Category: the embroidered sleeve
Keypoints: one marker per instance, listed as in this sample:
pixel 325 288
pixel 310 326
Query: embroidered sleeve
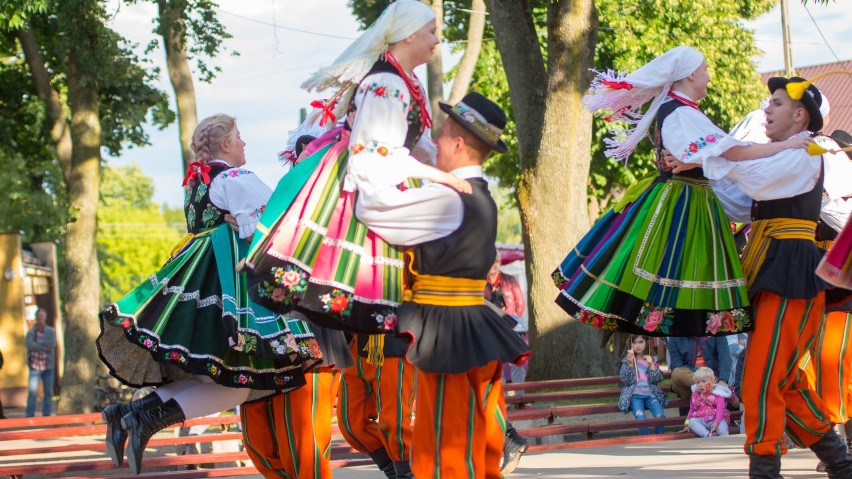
pixel 243 194
pixel 692 138
pixel 379 128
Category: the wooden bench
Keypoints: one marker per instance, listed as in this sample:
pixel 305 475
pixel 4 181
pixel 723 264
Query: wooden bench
pixel 73 446
pixel 571 413
pixel 554 403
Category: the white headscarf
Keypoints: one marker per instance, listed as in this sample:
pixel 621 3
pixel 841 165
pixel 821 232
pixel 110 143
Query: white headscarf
pixel 397 22
pixel 623 95
pixel 824 107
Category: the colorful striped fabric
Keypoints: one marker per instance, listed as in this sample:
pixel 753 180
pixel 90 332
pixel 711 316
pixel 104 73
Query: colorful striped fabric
pixel 776 397
pixel 763 232
pixel 289 435
pixel 313 254
pixel 194 314
pixel 665 265
pixel 459 432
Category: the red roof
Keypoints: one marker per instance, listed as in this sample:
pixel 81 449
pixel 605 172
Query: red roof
pixel 837 88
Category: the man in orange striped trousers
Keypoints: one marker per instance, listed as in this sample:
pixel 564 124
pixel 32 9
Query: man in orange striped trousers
pixel 787 298
pixel 375 403
pixel 289 435
pixel 458 343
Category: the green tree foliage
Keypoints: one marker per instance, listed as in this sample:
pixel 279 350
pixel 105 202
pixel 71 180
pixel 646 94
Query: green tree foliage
pixel 135 237
pixel 198 26
pixel 33 199
pixel 95 95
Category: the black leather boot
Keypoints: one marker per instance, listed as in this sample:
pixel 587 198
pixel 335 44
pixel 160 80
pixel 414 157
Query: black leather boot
pixel 141 425
pixel 764 467
pixel 116 436
pixel 383 461
pixel 832 451
pixel 403 470
pixel 514 445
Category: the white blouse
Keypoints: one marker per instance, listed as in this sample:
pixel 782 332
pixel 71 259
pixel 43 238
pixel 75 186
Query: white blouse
pixel 377 154
pixel 692 138
pixel 243 194
pixel 418 215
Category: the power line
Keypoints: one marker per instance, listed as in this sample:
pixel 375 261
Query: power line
pixel 821 35
pixel 275 25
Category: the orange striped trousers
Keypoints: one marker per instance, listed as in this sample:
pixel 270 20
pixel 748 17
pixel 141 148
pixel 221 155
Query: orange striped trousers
pixel 773 387
pixel 375 405
pixel 829 368
pixel 289 435
pixel 458 432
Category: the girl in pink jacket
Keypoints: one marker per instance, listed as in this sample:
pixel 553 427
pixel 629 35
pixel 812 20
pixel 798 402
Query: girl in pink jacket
pixel 708 415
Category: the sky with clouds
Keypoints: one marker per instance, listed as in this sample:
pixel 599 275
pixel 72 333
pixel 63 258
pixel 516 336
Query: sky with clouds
pixel 282 41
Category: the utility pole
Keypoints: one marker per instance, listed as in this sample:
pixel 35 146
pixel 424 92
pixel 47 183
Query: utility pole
pixel 785 34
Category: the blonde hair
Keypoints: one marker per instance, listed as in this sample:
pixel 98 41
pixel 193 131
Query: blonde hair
pixel 703 373
pixel 209 135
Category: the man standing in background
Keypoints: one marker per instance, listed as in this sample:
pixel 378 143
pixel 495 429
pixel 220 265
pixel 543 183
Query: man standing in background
pixel 41 362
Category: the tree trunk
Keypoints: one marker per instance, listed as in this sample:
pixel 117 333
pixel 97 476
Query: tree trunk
pixel 60 135
pixel 554 133
pixel 173 29
pixel 82 290
pixel 435 69
pixel 464 73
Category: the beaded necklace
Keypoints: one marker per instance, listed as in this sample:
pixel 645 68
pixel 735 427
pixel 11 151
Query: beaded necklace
pixel 684 100
pixel 413 89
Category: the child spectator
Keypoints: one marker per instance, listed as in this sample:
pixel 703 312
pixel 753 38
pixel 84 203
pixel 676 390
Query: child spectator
pixel 708 414
pixel 640 374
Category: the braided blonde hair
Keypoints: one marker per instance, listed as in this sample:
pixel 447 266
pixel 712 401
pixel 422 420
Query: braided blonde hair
pixel 209 135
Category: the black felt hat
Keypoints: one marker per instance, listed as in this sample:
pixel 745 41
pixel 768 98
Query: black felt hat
pixel 842 138
pixel 480 116
pixel 811 98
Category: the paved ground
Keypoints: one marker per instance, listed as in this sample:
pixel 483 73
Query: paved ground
pixel 720 457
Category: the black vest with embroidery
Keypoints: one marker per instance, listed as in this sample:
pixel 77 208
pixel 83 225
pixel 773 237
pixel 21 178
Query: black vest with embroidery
pixel 415 126
pixel 201 214
pixel 665 110
pixel 469 251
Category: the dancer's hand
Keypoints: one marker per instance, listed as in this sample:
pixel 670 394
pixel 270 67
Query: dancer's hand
pixel 676 166
pixel 458 184
pixel 232 221
pixel 798 142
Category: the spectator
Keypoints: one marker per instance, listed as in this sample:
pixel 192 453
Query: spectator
pixel 640 374
pixel 41 361
pixel 687 354
pixel 736 345
pixel 708 415
pixel 504 291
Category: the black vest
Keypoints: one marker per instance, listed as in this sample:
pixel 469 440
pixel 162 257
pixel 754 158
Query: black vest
pixel 665 110
pixel 201 214
pixel 469 251
pixel 415 126
pixel 805 206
